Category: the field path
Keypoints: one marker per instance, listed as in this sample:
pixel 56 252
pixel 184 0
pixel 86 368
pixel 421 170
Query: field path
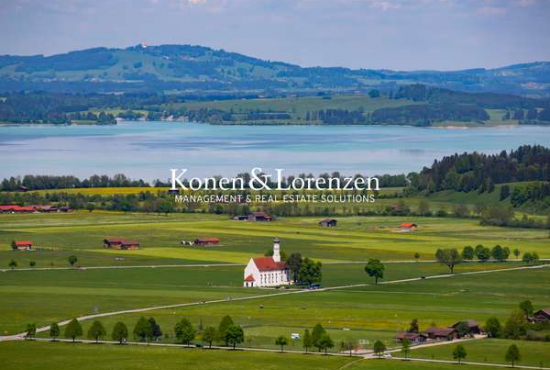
pixel 21 336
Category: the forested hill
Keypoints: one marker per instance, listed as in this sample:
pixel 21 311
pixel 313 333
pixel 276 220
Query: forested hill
pixel 196 68
pixel 476 171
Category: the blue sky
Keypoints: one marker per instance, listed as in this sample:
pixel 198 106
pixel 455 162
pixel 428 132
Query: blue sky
pixel 393 34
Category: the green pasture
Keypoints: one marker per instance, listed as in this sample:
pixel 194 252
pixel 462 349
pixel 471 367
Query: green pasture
pixel 355 238
pixel 493 351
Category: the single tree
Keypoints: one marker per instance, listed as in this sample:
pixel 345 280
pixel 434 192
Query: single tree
pixel 449 257
pixel 310 272
pixel 375 269
pixel 294 262
pixel 73 330
pixel 516 325
pixel 348 345
pixel 143 330
pixel 13 245
pixel 316 334
pixel 235 335
pixel 72 260
pixel 459 353
pixel 325 343
pixel 406 347
pixel 226 322
pixel 32 263
pixel 31 331
pixel 513 355
pixel 185 332
pixel 54 331
pixel 468 253
pixel 96 331
pixel 120 332
pixel 12 264
pixel 414 328
pixel 156 332
pixel 493 327
pixel 516 253
pixel 483 254
pixel 307 341
pixel 281 341
pixel 527 308
pixel 417 256
pixel 209 335
pixel 379 348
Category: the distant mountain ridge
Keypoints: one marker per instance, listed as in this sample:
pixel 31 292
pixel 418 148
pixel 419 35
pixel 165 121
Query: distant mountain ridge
pixel 188 68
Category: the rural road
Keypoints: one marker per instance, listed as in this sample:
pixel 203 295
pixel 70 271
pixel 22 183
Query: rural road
pixel 21 336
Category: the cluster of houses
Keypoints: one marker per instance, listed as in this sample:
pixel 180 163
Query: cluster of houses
pixel 14 208
pixel 440 334
pixel 120 244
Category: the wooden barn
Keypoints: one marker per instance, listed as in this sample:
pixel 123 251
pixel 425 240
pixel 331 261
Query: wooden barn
pixel 328 222
pixel 259 216
pixel 121 244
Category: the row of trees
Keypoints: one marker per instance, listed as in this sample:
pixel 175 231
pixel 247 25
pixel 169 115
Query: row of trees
pixel 512 354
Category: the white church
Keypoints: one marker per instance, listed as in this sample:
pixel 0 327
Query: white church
pixel 267 271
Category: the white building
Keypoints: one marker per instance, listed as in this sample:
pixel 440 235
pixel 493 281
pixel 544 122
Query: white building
pixel 267 271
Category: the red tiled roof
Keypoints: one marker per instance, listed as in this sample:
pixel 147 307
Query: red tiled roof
pixel 268 264
pixel 407 224
pixel 23 243
pixel 7 207
pixel 209 240
pixel 250 278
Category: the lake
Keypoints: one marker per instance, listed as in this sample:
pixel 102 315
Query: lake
pixel 149 150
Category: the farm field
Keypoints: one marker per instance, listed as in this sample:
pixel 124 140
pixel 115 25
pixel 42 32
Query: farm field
pixel 366 313
pixel 67 293
pixel 355 238
pixel 493 351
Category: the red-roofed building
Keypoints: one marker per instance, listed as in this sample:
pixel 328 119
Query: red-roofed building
pixel 25 245
pixel 207 241
pixel 408 226
pixel 267 271
pixel 122 244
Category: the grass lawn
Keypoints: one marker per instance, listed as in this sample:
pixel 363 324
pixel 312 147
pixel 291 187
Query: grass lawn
pixel 493 351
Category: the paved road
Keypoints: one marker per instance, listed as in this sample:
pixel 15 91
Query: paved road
pixel 247 298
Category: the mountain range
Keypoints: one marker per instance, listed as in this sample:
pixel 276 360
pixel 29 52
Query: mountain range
pixel 188 68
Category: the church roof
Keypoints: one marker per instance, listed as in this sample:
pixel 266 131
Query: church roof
pixel 250 278
pixel 268 264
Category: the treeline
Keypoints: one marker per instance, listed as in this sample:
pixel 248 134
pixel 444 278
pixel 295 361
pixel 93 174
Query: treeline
pixel 426 114
pixel 47 182
pixel 475 171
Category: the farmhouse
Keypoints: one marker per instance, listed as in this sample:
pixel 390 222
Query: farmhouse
pixel 407 226
pixel 473 326
pixel 267 271
pixel 328 222
pixel 122 244
pixel 542 316
pixel 441 333
pixel 259 216
pixel 23 245
pixel 412 337
pixel 207 241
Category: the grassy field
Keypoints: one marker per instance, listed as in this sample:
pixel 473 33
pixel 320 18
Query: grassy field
pixel 493 351
pixel 35 355
pixel 355 238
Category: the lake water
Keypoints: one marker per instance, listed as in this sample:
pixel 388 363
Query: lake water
pixel 149 150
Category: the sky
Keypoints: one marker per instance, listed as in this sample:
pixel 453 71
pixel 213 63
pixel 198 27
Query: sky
pixel 379 34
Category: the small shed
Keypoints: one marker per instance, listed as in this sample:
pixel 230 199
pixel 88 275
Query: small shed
pixel 328 222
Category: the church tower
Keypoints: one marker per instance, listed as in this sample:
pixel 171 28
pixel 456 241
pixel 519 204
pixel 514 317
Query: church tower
pixel 276 250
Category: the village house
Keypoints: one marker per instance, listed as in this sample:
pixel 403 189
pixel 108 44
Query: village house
pixel 542 316
pixel 414 338
pixel 407 227
pixel 14 208
pixel 23 245
pixel 267 271
pixel 473 326
pixel 328 222
pixel 259 216
pixel 121 244
pixel 207 241
pixel 441 333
